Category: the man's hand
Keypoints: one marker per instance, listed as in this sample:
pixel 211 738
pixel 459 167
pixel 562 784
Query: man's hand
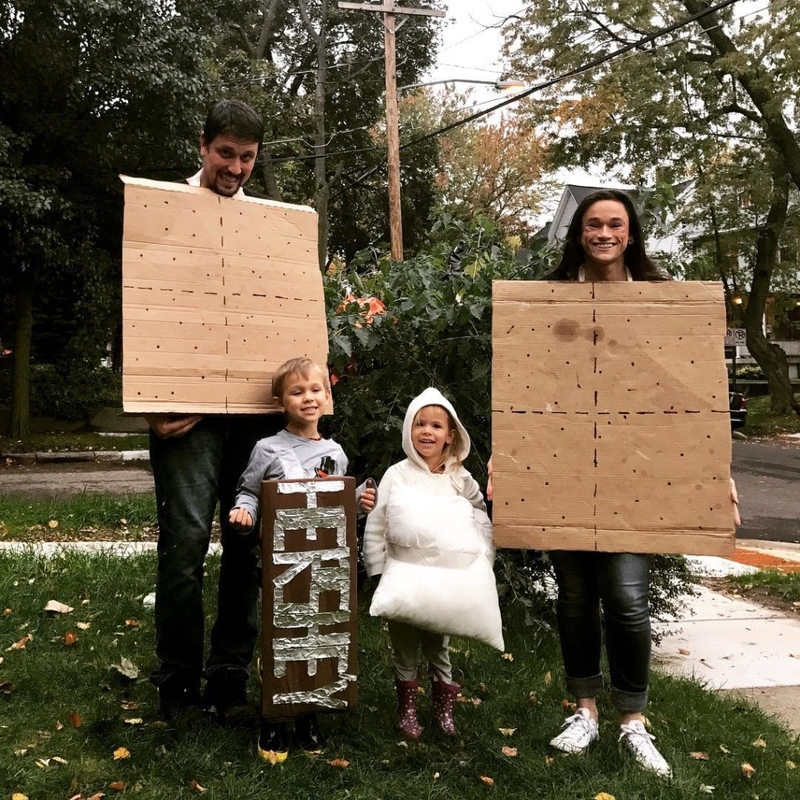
pixel 368 496
pixel 737 519
pixel 240 519
pixel 171 426
pixel 489 490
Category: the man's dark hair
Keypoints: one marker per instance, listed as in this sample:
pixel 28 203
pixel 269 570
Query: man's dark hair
pixel 233 118
pixel 636 259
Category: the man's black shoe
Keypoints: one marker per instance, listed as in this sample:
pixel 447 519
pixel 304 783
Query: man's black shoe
pixel 226 698
pixel 176 694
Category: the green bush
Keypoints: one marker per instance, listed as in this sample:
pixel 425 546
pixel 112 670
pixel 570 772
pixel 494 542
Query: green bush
pixel 435 330
pixel 73 392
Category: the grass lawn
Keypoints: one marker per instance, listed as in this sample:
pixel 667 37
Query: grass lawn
pixel 78 441
pixel 65 710
pixel 80 517
pixel 762 422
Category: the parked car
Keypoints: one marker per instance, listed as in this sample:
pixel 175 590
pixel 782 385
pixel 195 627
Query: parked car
pixel 738 406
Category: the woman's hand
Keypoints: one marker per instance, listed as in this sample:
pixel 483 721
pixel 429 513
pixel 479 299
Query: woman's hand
pixel 737 520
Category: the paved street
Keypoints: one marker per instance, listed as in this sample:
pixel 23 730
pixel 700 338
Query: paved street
pixel 768 479
pixel 767 475
pixel 47 480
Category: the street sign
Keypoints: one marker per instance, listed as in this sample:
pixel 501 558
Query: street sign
pixel 734 336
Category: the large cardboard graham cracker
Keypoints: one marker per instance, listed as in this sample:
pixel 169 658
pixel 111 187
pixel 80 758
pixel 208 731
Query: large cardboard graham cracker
pixel 610 420
pixel 217 292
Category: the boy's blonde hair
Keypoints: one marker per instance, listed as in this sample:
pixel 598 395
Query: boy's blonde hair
pixel 296 366
pixel 455 447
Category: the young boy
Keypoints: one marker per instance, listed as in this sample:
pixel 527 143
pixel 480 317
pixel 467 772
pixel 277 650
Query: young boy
pixel 301 390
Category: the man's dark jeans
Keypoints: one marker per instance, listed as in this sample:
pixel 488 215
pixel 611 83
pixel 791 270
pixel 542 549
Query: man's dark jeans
pixel 192 473
pixel 621 582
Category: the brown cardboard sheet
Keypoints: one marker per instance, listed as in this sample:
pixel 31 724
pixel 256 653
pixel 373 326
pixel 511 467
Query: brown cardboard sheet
pixel 610 420
pixel 216 293
pixel 309 602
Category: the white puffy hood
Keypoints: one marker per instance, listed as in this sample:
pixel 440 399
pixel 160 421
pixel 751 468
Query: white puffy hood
pixel 433 397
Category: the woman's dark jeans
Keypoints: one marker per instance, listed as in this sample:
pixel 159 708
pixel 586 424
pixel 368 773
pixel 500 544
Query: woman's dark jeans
pixel 192 473
pixel 620 582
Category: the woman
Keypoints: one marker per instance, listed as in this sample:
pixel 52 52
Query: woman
pixel 605 243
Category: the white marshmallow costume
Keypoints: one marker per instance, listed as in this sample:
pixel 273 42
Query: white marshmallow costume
pixel 431 541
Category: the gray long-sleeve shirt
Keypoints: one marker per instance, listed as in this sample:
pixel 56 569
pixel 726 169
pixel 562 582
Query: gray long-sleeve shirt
pixel 286 456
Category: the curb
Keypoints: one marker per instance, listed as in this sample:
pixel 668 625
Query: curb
pixel 75 457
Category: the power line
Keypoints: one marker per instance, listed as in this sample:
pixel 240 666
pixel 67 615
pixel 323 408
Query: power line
pixel 528 92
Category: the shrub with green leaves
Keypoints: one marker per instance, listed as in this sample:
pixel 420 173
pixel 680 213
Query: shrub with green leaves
pixel 432 327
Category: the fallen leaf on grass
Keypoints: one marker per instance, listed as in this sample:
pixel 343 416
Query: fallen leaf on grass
pixel 84 626
pixel 129 705
pixel 53 523
pixel 19 796
pixel 6 687
pixel 707 789
pixel 604 796
pixel 7 611
pixel 121 752
pixel 133 721
pixel 549 761
pixel 507 731
pixel 117 786
pixel 533 699
pixel 759 742
pixel 196 787
pixel 436 776
pixel 724 749
pixel 548 678
pixel 339 762
pixel 508 656
pixel 20 645
pixel 487 780
pixel 70 637
pixel 748 770
pixel 568 704
pixel 791 765
pixel 132 623
pixel 75 719
pixel 59 726
pixel 59 760
pixel 684 652
pixel 127 668
pixel 54 607
pixel 699 756
pixel 511 752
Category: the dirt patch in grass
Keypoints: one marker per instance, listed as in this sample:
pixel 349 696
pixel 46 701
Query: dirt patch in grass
pixel 761 595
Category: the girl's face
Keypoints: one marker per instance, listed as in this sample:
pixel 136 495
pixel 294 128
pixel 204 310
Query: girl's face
pixel 604 233
pixel 430 434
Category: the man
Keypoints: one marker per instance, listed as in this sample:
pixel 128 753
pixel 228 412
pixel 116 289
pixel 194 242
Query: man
pixel 197 461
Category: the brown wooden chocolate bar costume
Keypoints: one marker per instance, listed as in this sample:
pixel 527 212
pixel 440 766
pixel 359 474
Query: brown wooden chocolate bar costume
pixel 309 607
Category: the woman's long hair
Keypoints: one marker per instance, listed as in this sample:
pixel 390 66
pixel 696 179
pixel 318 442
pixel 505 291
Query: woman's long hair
pixel 636 259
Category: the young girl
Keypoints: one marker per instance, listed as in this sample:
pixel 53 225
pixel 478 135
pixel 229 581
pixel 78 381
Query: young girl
pixel 428 531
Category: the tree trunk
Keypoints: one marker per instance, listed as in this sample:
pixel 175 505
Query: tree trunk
pixel 20 423
pixel 769 356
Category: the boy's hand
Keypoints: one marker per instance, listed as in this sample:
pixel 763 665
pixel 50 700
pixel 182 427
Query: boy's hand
pixel 489 487
pixel 368 496
pixel 240 519
pixel 737 519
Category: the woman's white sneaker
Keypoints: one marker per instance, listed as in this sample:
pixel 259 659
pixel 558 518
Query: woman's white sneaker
pixel 579 731
pixel 640 744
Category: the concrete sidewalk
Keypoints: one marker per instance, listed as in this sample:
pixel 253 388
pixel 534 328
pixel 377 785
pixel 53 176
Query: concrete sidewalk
pixel 734 646
pixel 77 457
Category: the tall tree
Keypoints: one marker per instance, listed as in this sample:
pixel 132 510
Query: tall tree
pixel 675 103
pixel 89 90
pixel 318 79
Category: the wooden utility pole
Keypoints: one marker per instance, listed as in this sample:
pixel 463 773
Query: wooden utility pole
pixel 390 9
